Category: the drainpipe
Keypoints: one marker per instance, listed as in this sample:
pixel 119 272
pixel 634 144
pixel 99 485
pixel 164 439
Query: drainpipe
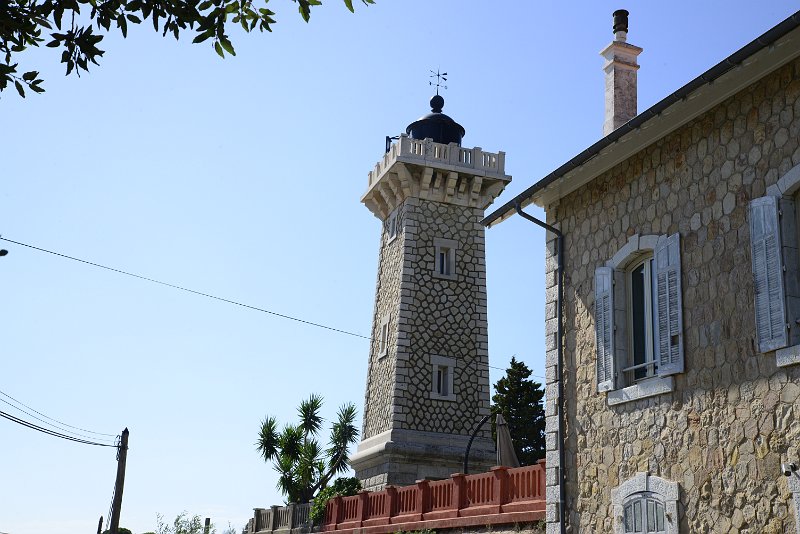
pixel 560 359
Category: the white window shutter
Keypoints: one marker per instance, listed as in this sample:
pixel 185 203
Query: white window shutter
pixel 668 305
pixel 604 326
pixel 770 303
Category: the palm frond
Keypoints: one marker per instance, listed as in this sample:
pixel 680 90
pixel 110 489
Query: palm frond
pixel 310 419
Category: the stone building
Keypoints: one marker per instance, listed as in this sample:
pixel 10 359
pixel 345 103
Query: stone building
pixel 428 377
pixel 673 345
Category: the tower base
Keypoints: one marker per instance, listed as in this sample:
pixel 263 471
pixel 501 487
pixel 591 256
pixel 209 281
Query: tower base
pixel 401 457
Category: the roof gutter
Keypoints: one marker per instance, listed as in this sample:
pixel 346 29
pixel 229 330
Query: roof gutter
pixel 765 40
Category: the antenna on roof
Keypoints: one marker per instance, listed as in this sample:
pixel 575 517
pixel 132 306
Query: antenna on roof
pixel 440 78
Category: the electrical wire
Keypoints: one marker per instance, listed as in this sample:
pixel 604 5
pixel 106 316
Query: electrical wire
pixel 53 433
pixel 70 432
pixel 50 418
pixel 200 293
pixel 188 290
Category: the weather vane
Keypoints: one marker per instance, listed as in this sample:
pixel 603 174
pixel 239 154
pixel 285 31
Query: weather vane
pixel 440 78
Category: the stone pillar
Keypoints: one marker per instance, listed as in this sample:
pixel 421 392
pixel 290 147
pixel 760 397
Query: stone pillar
pixel 553 509
pixel 620 68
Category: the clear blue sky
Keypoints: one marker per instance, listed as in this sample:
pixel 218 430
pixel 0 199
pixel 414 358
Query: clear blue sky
pixel 242 177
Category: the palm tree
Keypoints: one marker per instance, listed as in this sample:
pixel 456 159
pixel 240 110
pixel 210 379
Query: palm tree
pixel 303 465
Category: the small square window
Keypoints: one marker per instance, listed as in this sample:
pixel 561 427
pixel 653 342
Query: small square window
pixel 445 258
pixel 442 371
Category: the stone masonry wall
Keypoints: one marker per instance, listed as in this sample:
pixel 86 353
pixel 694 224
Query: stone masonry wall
pixel 443 317
pixel 733 416
pixel 379 392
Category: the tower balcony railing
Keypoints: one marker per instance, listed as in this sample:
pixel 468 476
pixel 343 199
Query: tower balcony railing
pixel 427 152
pixel 501 496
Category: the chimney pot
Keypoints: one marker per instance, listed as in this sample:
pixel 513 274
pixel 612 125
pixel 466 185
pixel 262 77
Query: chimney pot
pixel 621 20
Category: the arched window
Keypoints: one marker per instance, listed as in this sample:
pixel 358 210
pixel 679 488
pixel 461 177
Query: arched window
pixel 639 319
pixel 645 504
pixel 643 513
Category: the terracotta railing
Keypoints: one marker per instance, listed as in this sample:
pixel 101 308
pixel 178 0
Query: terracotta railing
pixel 502 495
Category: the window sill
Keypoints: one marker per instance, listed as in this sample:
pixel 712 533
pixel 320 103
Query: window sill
pixel 444 276
pixel 450 398
pixel 641 390
pixel 788 356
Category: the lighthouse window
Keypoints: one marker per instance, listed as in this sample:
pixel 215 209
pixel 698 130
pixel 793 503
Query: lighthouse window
pixel 383 339
pixel 442 371
pixel 444 261
pixel 391 227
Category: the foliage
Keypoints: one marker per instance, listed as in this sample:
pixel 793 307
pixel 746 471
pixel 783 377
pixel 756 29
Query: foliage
pixel 342 486
pixel 183 524
pixel 76 27
pixel 120 530
pixel 302 463
pixel 519 399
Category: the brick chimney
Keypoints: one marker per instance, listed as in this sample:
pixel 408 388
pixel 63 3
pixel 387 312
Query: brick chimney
pixel 620 67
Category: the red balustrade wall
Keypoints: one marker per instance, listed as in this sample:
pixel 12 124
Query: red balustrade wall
pixel 500 496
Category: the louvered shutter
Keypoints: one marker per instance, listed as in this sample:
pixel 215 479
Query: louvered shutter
pixel 604 326
pixel 770 303
pixel 668 305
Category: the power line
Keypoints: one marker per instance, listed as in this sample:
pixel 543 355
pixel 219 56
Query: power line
pixel 71 432
pixel 50 418
pixel 188 290
pixel 53 433
pixel 200 293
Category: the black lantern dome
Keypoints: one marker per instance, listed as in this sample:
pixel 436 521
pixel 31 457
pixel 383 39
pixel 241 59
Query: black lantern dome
pixel 436 125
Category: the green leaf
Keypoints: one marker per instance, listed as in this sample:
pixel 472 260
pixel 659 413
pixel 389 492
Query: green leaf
pixel 134 19
pixel 349 4
pixel 226 44
pixel 28 76
pixel 20 90
pixel 218 48
pixel 122 22
pixel 203 36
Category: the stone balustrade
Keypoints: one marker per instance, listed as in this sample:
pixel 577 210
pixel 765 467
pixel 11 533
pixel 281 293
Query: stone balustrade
pixel 294 518
pixel 426 152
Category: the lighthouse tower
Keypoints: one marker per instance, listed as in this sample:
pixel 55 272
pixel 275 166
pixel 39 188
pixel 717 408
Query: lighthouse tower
pixel 428 378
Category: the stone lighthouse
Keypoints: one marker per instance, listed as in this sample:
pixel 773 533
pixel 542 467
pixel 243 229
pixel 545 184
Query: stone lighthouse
pixel 428 377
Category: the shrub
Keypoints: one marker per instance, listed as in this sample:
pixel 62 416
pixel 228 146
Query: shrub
pixel 343 486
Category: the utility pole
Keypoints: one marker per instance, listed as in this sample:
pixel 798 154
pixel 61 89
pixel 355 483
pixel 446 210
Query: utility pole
pixel 122 454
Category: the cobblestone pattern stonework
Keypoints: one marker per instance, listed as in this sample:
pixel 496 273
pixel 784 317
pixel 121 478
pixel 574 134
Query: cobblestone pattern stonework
pixel 445 318
pixel 429 316
pixel 733 416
